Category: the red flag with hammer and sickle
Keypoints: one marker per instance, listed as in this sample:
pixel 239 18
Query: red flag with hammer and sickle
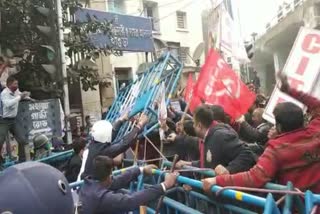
pixel 218 84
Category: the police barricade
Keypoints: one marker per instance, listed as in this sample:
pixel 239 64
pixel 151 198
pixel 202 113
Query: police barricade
pixel 143 93
pixel 292 199
pixel 291 195
pixel 54 159
pixel 179 200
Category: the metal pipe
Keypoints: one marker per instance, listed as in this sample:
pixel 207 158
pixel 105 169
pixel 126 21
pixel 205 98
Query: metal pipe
pixel 227 206
pixel 179 206
pixel 211 173
pixel 175 160
pixel 114 173
pixel 206 172
pixel 64 70
pixel 236 195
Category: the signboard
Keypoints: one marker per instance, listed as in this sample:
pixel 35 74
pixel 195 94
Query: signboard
pixel 176 106
pixel 302 69
pixel 39 117
pixel 129 33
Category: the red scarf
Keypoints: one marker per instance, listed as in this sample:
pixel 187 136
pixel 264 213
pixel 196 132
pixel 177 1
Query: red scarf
pixel 201 144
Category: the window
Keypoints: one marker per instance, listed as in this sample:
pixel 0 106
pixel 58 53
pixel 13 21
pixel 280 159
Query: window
pixel 317 9
pixel 116 6
pixel 181 20
pixel 184 55
pixel 174 48
pixel 151 10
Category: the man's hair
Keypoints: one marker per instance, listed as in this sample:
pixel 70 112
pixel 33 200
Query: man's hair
pixel 218 113
pixel 78 145
pixel 188 128
pixel 10 80
pixel 102 168
pixel 1 59
pixel 203 114
pixel 260 100
pixel 259 111
pixel 289 116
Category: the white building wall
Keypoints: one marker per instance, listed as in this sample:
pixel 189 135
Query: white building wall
pixel 190 37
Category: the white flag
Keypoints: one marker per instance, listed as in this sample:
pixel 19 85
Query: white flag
pixel 231 42
pixel 162 112
pixel 162 109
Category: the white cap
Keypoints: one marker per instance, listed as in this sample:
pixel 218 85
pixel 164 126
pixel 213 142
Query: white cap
pixel 101 131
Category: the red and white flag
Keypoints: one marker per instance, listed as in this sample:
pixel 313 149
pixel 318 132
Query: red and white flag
pixel 189 89
pixel 218 84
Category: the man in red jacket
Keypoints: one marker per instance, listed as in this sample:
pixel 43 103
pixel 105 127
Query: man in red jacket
pixel 294 155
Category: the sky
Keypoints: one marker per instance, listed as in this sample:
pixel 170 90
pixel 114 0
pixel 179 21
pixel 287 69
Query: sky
pixel 255 14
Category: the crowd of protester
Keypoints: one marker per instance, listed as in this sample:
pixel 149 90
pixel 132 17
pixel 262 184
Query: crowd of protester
pixel 247 151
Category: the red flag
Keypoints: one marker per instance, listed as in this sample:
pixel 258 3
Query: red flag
pixel 189 89
pixel 218 84
pixel 195 102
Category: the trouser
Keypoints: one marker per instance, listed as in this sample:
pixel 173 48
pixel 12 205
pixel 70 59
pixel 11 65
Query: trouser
pixel 8 125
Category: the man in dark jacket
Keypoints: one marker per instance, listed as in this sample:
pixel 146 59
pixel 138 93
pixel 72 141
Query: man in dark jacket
pixel 102 134
pixel 256 135
pixel 101 194
pixel 74 164
pixel 220 145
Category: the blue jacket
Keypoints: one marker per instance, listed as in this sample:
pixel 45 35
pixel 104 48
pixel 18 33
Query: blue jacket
pixel 96 199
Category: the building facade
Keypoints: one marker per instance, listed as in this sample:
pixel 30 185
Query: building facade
pixel 176 27
pixel 272 48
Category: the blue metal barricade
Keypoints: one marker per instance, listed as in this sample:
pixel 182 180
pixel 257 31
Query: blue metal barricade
pixel 55 157
pixel 141 95
pixel 311 200
pixel 179 200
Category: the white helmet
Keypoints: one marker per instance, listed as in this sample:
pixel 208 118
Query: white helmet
pixel 101 131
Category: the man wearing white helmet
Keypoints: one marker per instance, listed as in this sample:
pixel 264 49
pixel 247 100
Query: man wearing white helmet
pixel 101 133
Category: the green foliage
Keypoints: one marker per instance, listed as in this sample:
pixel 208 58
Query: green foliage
pixel 19 33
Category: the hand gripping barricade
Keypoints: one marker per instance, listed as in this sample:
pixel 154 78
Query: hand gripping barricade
pixel 224 200
pixel 141 95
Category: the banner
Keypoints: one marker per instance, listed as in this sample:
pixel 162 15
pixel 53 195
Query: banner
pixel 39 117
pixel 218 84
pixel 302 69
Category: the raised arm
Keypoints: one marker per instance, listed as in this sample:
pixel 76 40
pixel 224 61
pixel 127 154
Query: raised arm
pixel 311 102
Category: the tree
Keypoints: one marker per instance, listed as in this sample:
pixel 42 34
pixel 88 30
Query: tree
pixel 20 35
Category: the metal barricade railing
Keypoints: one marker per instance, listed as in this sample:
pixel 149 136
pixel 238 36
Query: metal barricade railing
pixel 288 198
pixel 141 95
pixel 56 157
pixel 179 200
